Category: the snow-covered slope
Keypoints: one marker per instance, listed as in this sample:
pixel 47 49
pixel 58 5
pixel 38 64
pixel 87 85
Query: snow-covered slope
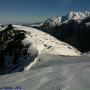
pixel 45 43
pixel 21 45
pixel 52 73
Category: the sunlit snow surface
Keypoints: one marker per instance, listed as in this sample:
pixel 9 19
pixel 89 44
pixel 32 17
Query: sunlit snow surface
pixel 45 43
pixel 52 72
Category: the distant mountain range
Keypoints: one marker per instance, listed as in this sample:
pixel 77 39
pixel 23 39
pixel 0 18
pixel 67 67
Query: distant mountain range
pixel 56 20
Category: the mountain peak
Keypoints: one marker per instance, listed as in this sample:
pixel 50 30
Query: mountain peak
pixel 77 15
pixel 50 22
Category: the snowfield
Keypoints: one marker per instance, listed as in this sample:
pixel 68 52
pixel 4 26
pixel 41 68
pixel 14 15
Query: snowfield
pixel 45 43
pixel 52 72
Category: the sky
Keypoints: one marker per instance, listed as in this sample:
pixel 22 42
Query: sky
pixel 31 11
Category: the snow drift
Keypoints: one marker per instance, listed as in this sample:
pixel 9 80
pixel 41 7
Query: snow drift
pixel 52 72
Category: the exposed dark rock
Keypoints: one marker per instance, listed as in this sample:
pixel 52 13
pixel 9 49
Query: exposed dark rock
pixel 11 45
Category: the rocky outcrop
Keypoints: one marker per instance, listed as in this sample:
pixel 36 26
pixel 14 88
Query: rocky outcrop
pixel 12 50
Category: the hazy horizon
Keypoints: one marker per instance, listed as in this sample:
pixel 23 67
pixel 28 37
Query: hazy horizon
pixel 31 11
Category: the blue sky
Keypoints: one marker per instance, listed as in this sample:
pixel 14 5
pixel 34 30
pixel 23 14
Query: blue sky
pixel 25 11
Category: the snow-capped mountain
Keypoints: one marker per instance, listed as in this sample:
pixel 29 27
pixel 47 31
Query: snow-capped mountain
pixel 71 15
pixel 58 20
pixel 53 21
pixel 77 15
